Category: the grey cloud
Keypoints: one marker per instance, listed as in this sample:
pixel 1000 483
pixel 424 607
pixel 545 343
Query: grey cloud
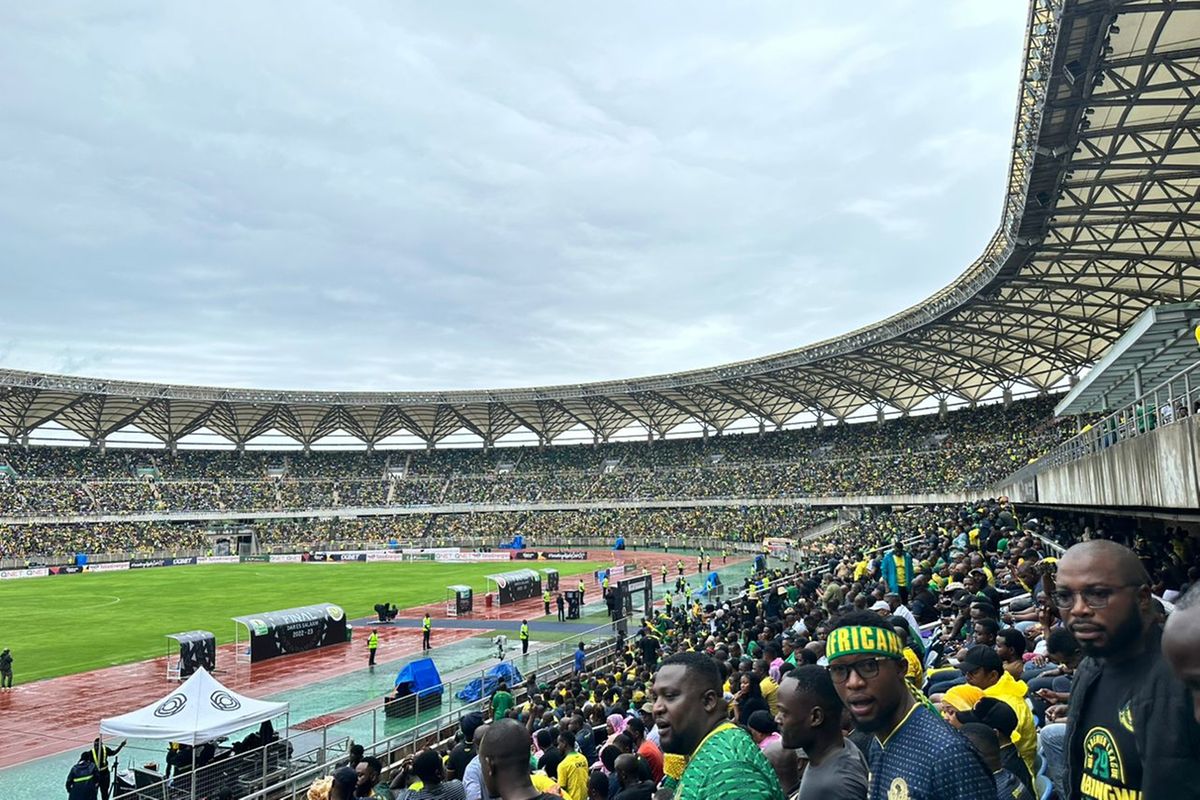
pixel 414 196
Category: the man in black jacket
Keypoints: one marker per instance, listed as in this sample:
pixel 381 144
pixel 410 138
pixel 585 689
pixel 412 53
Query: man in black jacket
pixel 82 780
pixel 1130 730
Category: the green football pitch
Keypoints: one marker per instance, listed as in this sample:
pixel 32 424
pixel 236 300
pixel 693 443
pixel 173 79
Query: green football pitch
pixel 73 623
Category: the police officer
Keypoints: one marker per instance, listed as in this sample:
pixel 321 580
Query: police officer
pixel 679 566
pixel 663 570
pixel 581 590
pixel 372 646
pixel 546 601
pixel 426 629
pixel 99 756
pixel 562 604
pixel 524 636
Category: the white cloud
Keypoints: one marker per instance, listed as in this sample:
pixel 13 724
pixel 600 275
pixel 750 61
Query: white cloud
pixel 416 196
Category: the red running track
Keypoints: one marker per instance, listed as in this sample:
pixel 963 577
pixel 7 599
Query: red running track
pixel 48 717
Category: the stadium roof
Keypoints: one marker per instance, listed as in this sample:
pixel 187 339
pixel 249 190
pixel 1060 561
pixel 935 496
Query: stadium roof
pixel 1099 223
pixel 1159 345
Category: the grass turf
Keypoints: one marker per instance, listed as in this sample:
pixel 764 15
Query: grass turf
pixel 61 625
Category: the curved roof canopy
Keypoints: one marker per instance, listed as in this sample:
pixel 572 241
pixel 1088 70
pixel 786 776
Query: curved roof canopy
pixel 1099 223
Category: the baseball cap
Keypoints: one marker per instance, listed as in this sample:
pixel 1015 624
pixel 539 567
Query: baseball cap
pixel 648 708
pixel 881 605
pixel 981 656
pixel 996 714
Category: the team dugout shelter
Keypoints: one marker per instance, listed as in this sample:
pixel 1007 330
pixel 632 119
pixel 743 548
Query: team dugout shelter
pixel 515 586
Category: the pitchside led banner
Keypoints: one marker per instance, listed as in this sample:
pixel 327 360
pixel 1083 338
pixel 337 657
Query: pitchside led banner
pixel 294 630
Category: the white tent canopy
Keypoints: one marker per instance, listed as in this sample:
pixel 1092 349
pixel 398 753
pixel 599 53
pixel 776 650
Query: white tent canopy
pixel 199 711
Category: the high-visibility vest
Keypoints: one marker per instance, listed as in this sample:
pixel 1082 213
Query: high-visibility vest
pixel 524 631
pixel 373 640
pixel 605 582
pixel 581 586
pixel 546 596
pixel 100 757
pixel 427 624
pixel 668 600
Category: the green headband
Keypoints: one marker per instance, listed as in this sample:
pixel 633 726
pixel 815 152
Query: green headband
pixel 863 639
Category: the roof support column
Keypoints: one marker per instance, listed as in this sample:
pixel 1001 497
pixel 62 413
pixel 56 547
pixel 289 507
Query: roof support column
pixel 820 421
pixel 1008 397
pixel 943 406
pixel 879 418
pixel 1137 382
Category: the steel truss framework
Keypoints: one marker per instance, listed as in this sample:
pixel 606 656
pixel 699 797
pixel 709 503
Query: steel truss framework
pixel 1100 221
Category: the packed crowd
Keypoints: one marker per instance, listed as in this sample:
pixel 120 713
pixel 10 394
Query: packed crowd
pixel 641 527
pixel 964 659
pixel 966 449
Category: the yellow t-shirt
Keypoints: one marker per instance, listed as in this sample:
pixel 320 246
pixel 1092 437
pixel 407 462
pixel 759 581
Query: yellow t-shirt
pixel 573 775
pixel 860 570
pixel 547 785
pixel 770 693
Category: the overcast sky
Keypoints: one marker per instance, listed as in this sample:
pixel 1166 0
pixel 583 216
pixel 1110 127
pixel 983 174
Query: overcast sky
pixel 401 195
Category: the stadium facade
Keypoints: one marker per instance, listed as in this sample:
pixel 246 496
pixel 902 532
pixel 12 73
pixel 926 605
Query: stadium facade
pixel 1099 222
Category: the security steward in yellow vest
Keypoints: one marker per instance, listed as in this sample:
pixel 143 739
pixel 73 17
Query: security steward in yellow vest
pixel 372 646
pixel 581 590
pixel 663 570
pixel 426 629
pixel 524 636
pixel 100 754
pixel 546 601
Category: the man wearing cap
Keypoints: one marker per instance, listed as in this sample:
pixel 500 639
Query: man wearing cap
pixel 915 754
pixel 983 668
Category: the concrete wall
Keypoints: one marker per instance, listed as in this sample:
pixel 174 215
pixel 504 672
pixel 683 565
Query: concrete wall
pixel 1159 470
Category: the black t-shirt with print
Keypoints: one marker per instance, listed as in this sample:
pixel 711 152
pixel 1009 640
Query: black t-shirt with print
pixel 1104 741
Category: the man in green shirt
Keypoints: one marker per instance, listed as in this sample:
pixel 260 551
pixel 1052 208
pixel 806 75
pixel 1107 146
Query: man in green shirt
pixel 692 719
pixel 502 701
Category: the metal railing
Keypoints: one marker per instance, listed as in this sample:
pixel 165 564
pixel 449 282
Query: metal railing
pixel 301 750
pixel 1169 402
pixel 437 732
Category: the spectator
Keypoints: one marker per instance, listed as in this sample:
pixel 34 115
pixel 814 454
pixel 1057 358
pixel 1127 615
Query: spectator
pixel 573 768
pixel 633 786
pixel 1126 707
pixel 427 768
pixel 810 718
pixel 983 739
pixel 690 712
pixel 1181 644
pixel 368 785
pixel 924 757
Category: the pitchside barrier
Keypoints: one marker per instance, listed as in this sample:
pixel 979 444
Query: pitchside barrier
pixel 575 549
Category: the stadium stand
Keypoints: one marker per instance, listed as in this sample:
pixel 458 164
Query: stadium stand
pixel 967 449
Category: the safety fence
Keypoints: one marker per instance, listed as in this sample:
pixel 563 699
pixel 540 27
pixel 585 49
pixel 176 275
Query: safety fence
pixel 302 753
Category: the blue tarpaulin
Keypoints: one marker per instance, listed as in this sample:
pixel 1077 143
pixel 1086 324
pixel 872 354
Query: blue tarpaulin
pixel 422 677
pixel 483 687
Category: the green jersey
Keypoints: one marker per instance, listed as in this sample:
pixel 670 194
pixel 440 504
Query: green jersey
pixel 728 764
